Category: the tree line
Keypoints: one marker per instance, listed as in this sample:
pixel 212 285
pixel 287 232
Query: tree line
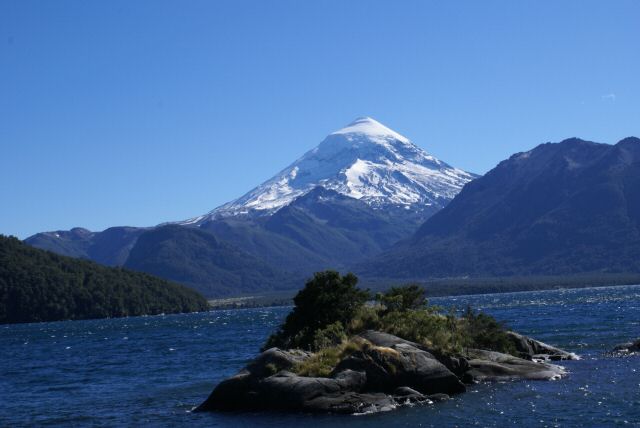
pixel 38 285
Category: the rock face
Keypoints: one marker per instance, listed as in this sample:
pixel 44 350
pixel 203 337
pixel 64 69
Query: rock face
pixel 627 348
pixel 495 366
pixel 532 349
pixel 393 362
pixel 385 373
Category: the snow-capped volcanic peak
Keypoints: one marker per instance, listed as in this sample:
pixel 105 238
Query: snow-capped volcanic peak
pixel 373 129
pixel 364 160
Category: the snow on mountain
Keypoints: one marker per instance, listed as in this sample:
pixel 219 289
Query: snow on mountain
pixel 364 160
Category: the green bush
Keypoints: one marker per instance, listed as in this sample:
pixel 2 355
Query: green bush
pixel 432 330
pixel 322 363
pixel 410 297
pixel 331 335
pixel 326 299
pixel 365 318
pixel 482 331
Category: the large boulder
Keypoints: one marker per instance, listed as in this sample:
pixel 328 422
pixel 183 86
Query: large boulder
pixel 386 340
pixel 627 348
pixel 281 391
pixel 393 362
pixel 236 392
pixel 369 402
pixel 495 366
pixel 532 349
pixel 457 364
pixel 351 403
pixel 287 390
pixel 274 360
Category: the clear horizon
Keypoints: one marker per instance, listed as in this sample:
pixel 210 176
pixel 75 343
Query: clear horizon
pixel 136 114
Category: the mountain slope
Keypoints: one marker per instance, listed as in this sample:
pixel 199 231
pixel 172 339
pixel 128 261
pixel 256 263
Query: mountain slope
pixel 320 230
pixel 558 209
pixel 361 190
pixel 37 285
pixel 110 247
pixel 365 161
pixel 199 260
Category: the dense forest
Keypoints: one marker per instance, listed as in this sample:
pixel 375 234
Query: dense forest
pixel 37 285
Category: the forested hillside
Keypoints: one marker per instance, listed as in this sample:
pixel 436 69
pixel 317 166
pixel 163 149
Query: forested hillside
pixel 37 285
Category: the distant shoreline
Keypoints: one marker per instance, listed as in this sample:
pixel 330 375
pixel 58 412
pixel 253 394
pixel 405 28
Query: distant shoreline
pixel 448 287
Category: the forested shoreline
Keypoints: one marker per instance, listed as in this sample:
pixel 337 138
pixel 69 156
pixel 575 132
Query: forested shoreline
pixel 37 285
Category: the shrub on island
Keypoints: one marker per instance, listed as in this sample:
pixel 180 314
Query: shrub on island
pixel 331 308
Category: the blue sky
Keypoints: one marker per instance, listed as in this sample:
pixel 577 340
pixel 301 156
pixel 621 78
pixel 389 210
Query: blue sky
pixel 136 113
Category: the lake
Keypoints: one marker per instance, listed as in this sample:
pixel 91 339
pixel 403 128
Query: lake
pixel 154 370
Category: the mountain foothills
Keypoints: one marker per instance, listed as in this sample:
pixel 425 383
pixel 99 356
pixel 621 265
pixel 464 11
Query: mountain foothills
pixel 37 285
pixel 192 257
pixel 565 208
pixel 110 247
pixel 361 190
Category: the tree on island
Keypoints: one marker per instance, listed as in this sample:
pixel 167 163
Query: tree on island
pixel 328 299
pixel 400 299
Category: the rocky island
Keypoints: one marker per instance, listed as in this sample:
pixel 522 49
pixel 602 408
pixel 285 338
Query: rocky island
pixel 338 352
pixel 628 348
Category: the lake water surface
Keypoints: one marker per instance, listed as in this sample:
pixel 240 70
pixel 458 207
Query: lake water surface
pixel 154 370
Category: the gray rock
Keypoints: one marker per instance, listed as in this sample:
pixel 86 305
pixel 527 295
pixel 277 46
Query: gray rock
pixel 393 362
pixel 457 364
pixel 438 397
pixel 405 391
pixel 387 340
pixel 286 390
pixel 351 403
pixel 282 391
pixel 535 350
pixel 495 366
pixel 406 396
pixel 273 360
pixel 388 373
pixel 627 348
pixel 235 392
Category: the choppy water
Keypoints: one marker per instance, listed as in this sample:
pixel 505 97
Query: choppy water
pixel 153 370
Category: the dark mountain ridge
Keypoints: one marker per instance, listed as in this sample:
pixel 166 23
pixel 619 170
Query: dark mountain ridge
pixel 320 230
pixel 565 208
pixel 246 254
pixel 198 259
pixel 110 247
